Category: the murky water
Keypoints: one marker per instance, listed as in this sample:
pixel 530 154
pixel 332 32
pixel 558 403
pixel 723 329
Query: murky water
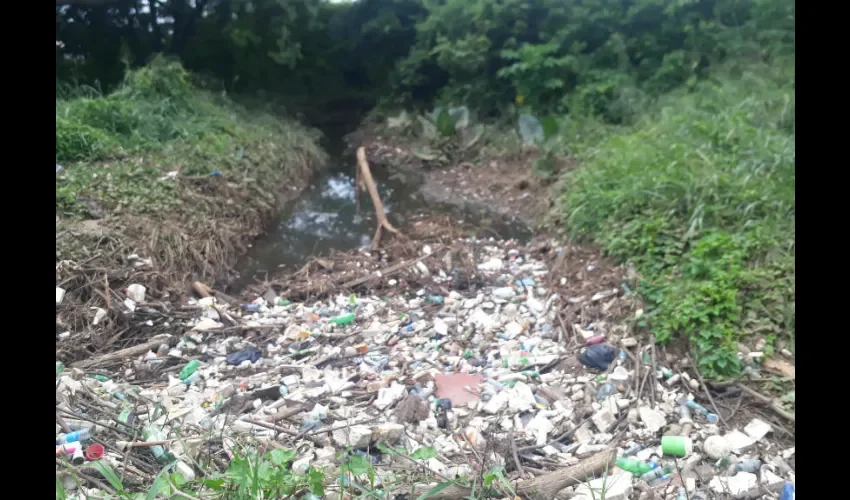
pixel 325 218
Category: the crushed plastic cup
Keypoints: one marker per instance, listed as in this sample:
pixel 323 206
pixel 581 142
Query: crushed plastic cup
pixel 94 452
pixel 136 292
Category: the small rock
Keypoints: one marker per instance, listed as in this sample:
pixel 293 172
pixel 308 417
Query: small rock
pixel 739 442
pixel 302 465
pixel 603 420
pixel 654 420
pixel 757 429
pixel 628 342
pixel 496 404
pixel 388 433
pixel 441 327
pixel 356 436
pixel 716 447
pixel 735 485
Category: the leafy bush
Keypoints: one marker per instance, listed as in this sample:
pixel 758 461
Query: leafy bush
pixel 699 196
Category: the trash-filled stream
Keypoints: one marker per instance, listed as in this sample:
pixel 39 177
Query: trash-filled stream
pixel 326 218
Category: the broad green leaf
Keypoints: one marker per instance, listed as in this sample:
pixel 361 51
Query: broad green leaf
pixel 106 471
pixel 436 489
pixel 358 464
pixel 424 453
pixel 445 124
pixel 281 457
pixel 60 489
pixel 550 126
pixel 213 484
pixel 316 479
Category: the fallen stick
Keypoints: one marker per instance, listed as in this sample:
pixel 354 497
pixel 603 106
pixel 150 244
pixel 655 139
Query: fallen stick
pixel 388 271
pixel 205 291
pixel 125 353
pixel 652 377
pixel 707 391
pixel 543 487
pixel 515 455
pixel 366 177
pixel 776 407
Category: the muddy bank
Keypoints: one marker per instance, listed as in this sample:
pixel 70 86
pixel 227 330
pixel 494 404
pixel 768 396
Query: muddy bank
pixel 149 221
pixel 494 176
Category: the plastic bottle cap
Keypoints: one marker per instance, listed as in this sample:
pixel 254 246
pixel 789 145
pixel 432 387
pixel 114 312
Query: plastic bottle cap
pixel 94 452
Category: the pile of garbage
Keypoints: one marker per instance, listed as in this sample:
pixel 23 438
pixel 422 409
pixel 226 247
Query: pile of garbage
pixel 486 376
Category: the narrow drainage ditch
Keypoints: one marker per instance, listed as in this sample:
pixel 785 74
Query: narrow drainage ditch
pixel 325 218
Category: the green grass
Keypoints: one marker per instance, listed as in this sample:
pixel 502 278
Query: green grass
pixel 118 148
pixel 699 197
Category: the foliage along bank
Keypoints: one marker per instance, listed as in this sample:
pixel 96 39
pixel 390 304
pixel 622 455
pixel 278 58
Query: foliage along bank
pixel 182 176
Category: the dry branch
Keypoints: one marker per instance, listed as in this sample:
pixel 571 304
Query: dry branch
pixel 366 176
pixel 125 353
pixel 543 487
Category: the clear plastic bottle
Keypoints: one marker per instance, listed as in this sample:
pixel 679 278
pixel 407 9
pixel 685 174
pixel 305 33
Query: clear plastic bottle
pixel 80 435
pixel 655 473
pixel 153 433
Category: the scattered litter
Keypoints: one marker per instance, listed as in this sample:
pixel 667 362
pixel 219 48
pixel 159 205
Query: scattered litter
pixel 424 363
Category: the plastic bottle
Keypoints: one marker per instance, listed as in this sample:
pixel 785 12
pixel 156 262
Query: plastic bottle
pixel 752 466
pixel 80 435
pixel 711 417
pixel 161 455
pixel 788 492
pixel 661 479
pixel 631 450
pixel 342 320
pixel 606 390
pixel 189 369
pixel 682 493
pixel 60 367
pixel 77 425
pixel 636 467
pixel 655 474
pixel 191 379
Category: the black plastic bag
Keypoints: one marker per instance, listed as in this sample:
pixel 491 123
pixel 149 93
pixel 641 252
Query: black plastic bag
pixel 598 356
pixel 252 354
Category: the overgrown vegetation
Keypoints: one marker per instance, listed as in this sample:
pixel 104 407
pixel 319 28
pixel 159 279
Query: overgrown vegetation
pixel 699 196
pixel 251 476
pixel 682 113
pixel 170 173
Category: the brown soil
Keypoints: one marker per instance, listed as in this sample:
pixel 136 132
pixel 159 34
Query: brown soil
pixel 96 260
pixel 504 185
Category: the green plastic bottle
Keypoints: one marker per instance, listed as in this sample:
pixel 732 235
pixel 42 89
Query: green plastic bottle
pixel 60 367
pixel 152 433
pixel 189 369
pixel 342 320
pixel 636 467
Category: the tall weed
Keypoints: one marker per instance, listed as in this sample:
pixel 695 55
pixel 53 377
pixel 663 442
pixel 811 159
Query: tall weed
pixel 699 196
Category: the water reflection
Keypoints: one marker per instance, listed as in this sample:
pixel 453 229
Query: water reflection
pixel 325 218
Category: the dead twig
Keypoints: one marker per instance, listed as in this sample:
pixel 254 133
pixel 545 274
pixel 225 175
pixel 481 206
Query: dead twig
pixel 514 453
pixel 124 353
pixel 770 402
pixel 707 392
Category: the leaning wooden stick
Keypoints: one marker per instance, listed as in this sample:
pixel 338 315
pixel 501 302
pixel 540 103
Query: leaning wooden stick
pixel 366 176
